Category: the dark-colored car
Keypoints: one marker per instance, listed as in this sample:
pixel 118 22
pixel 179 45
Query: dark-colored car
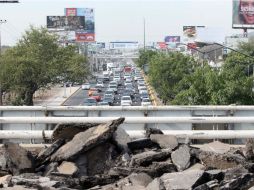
pixel 144 95
pixel 90 102
pixel 110 101
pixel 128 92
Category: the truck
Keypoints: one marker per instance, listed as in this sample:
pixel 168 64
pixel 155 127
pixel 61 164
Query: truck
pixel 105 76
pixel 127 69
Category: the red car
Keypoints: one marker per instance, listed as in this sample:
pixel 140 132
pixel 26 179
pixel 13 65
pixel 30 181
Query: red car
pixel 96 96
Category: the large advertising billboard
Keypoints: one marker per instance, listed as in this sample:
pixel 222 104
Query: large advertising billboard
pixel 66 22
pixel 84 37
pixel 88 33
pixel 189 33
pixel 124 45
pixel 172 39
pixel 161 45
pixel 243 14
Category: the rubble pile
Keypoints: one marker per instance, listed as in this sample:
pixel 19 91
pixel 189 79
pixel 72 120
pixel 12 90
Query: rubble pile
pixel 104 157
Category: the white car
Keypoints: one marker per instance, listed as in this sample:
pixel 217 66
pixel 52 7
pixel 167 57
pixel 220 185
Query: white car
pixel 126 76
pixel 117 80
pixel 146 102
pixel 125 104
pixel 143 92
pixel 113 83
pixel 85 86
pixel 138 77
pixel 126 100
pixel 100 84
pixel 141 86
pixel 140 82
pixel 128 79
pixel 113 87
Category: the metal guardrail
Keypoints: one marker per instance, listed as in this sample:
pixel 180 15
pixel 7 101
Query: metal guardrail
pixel 37 122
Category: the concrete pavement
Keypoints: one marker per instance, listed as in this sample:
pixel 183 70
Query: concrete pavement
pixel 55 96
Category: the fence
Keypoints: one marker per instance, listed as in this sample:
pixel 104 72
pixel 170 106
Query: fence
pixel 36 122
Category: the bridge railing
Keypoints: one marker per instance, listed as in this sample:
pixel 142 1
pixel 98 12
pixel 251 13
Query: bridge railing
pixel 193 122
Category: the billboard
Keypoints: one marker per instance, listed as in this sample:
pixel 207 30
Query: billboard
pixel 243 14
pixel 190 33
pixel 66 22
pixel 89 29
pixel 124 45
pixel 84 37
pixel 161 45
pixel 66 36
pixel 172 39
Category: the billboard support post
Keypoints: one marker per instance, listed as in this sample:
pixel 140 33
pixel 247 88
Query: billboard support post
pixel 245 32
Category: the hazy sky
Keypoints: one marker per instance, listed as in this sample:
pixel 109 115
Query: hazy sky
pixel 122 19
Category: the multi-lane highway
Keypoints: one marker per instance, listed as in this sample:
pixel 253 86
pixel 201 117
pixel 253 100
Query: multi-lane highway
pixel 78 98
pixel 135 80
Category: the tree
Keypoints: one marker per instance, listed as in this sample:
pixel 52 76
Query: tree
pixel 229 85
pixel 201 87
pixel 38 61
pixel 145 57
pixel 166 70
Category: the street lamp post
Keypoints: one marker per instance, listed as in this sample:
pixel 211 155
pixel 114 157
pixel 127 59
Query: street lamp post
pixel 144 22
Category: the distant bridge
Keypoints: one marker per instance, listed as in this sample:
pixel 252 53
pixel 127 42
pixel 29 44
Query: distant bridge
pixel 100 56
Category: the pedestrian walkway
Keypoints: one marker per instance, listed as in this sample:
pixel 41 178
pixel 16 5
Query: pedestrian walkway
pixel 55 96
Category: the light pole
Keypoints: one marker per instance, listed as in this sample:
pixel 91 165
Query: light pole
pixel 1 93
pixel 144 21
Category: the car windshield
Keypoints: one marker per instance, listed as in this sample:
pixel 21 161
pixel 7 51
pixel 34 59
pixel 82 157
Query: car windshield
pixel 126 98
pixel 90 100
pixel 109 91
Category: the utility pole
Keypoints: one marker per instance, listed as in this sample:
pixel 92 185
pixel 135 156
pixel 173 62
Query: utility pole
pixel 1 93
pixel 144 21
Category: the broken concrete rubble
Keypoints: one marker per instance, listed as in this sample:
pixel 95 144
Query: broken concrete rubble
pixel 67 168
pixel 140 144
pixel 146 158
pixel 183 180
pixel 121 139
pixel 68 131
pixel 156 184
pixel 181 157
pixel 103 157
pixel 45 154
pixel 165 141
pixel 5 180
pixel 149 131
pixel 15 159
pixel 86 140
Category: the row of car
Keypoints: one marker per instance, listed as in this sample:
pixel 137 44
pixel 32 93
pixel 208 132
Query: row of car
pixel 122 88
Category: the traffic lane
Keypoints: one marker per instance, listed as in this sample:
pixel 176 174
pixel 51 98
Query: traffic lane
pixel 77 98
